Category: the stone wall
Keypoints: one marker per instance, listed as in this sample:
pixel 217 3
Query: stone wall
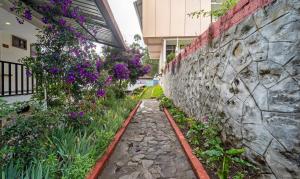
pixel 248 73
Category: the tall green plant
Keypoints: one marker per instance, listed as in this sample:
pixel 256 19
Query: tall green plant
pixel 224 8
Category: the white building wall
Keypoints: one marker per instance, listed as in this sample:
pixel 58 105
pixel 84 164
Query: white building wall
pixel 13 54
pixel 8 27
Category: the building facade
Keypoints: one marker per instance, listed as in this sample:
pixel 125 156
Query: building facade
pixel 167 26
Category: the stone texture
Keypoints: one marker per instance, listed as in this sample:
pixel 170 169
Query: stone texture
pixel 148 149
pixel 250 76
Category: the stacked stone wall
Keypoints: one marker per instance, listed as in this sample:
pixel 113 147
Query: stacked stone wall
pixel 246 69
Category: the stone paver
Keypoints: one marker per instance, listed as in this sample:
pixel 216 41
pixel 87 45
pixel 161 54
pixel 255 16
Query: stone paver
pixel 148 149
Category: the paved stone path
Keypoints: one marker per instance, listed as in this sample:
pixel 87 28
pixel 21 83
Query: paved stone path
pixel 148 149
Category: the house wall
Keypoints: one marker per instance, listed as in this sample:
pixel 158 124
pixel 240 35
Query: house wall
pixel 25 31
pixel 245 71
pixel 13 54
pixel 169 18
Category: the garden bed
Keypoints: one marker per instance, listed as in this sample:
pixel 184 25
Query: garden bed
pixel 196 164
pixel 48 144
pixel 99 166
pixel 204 137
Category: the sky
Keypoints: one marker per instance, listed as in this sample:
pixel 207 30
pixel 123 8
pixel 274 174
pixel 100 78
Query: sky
pixel 126 17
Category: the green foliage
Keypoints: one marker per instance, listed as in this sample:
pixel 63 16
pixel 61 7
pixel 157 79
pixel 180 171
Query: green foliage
pixel 166 103
pixel 79 167
pixel 44 145
pixel 204 138
pixel 20 141
pixel 36 170
pixel 224 8
pixel 6 109
pixel 154 63
pixel 171 57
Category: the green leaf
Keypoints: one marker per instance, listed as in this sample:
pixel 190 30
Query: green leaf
pixel 242 162
pixel 235 151
pixel 238 175
pixel 213 153
pixel 223 173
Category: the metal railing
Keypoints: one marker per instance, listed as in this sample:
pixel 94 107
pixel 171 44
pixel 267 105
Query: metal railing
pixel 14 80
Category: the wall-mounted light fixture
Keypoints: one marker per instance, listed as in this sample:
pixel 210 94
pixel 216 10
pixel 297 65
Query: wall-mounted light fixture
pixel 7 23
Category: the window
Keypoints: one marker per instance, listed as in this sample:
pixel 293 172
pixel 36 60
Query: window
pixel 19 43
pixel 170 49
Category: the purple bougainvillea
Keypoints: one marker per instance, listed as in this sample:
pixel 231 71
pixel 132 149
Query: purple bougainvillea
pixel 45 20
pixel 53 70
pixel 136 61
pixel 71 78
pixel 27 14
pixel 121 71
pixel 101 93
pixel 146 69
pixel 75 115
pixel 62 22
pixel 28 73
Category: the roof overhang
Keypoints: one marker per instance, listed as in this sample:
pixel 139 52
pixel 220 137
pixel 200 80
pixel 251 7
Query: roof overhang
pixel 100 18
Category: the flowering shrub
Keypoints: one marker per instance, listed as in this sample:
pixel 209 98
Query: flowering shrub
pixel 121 71
pixel 126 65
pixel 66 66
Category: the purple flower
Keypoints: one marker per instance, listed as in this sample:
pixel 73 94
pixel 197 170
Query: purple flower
pixel 62 22
pixel 27 14
pixel 72 115
pixel 81 19
pixel 74 13
pixel 71 78
pixel 101 93
pixel 146 69
pixel 53 70
pixel 136 61
pixel 45 20
pixel 28 73
pixel 81 114
pixel 75 115
pixel 121 71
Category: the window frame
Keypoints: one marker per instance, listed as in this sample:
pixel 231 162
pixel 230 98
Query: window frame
pixel 17 42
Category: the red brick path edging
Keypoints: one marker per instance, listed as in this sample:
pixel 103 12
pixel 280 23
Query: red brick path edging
pixel 100 164
pixel 196 164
